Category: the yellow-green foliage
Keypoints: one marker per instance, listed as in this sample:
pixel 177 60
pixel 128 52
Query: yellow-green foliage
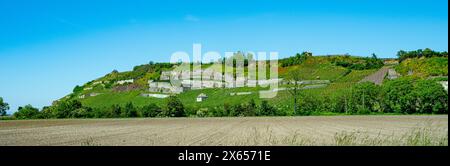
pixel 143 82
pixel 424 67
pixel 317 68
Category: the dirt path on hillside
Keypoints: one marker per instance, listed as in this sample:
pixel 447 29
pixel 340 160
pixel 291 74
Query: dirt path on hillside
pixel 377 77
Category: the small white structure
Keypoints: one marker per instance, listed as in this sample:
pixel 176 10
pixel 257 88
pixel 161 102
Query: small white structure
pixel 410 72
pixel 307 82
pixel 97 82
pixel 121 82
pixel 270 81
pixel 444 84
pixel 201 97
pixel 315 86
pixel 392 74
pixel 87 88
pixel 94 94
pixel 240 93
pixel 160 96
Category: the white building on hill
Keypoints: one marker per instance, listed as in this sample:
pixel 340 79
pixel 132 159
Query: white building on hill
pixel 444 84
pixel 121 82
pixel 201 97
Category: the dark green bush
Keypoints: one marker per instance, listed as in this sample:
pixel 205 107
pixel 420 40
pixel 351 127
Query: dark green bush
pixel 174 108
pixel 150 110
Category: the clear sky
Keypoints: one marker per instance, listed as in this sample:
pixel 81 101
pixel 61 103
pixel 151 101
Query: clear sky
pixel 49 46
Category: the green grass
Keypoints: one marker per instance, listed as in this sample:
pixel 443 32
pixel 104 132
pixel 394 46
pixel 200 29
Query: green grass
pixel 317 67
pixel 110 98
pixel 355 75
pixel 7 118
pixel 216 97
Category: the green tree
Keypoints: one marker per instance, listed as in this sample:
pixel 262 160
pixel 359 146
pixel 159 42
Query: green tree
pixel 294 86
pixel 265 109
pixel 150 110
pixel 237 110
pixel 174 107
pixel 397 95
pixel 366 98
pixel 77 89
pixel 27 112
pixel 226 109
pixel 129 111
pixel 249 108
pixel 65 109
pixel 3 107
pixel 430 97
pixel 295 60
pixel 81 113
pixel 427 53
pixel 115 111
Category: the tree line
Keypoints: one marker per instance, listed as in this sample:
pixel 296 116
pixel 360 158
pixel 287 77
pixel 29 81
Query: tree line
pixel 357 63
pixel 294 60
pixel 173 108
pixel 3 107
pixel 405 95
pixel 427 53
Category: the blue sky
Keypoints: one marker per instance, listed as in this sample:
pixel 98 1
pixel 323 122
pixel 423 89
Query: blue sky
pixel 49 46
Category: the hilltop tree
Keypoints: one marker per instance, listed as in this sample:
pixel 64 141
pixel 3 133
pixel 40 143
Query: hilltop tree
pixel 77 89
pixel 295 60
pixel 427 53
pixel 374 56
pixel 3 107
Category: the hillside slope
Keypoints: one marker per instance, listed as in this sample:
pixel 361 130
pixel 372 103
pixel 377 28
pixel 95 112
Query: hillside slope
pixel 424 67
pixel 313 68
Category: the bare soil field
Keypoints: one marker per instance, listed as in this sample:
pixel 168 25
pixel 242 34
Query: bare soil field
pixel 312 130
